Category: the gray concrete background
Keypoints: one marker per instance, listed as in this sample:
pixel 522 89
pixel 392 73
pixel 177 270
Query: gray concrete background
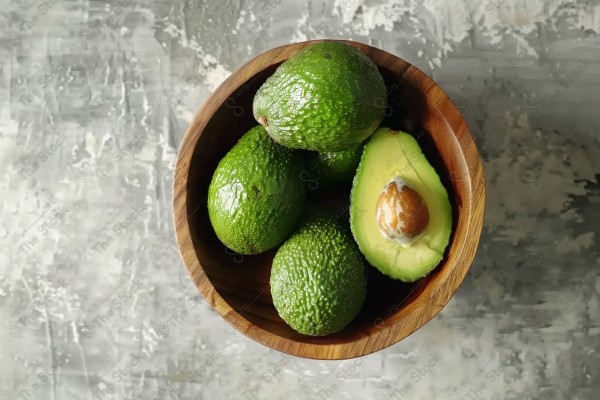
pixel 94 100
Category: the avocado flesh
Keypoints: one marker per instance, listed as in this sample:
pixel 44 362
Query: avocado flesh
pixel 389 154
pixel 327 97
pixel 317 279
pixel 256 196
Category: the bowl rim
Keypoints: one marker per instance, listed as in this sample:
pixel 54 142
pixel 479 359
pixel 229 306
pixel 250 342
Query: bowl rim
pixel 385 337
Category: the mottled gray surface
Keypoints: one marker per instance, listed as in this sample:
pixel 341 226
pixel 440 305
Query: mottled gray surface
pixel 94 100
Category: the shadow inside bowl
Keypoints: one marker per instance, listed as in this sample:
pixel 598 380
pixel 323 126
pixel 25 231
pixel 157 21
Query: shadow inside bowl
pixel 243 281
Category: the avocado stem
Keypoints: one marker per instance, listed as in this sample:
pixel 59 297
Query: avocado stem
pixel 263 121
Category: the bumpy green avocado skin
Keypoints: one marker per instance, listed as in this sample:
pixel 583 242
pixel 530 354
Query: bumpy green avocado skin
pixel 327 97
pixel 256 196
pixel 332 168
pixel 318 283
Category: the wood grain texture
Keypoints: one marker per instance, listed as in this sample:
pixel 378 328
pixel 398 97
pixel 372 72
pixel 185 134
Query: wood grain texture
pixel 237 286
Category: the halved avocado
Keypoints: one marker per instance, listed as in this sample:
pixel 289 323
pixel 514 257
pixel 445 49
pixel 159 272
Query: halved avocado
pixel 393 161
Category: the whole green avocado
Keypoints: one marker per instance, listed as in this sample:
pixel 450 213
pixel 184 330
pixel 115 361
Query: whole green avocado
pixel 317 279
pixel 256 197
pixel 327 97
pixel 332 168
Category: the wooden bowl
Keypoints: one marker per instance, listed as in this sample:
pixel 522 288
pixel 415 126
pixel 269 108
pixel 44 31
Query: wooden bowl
pixel 237 286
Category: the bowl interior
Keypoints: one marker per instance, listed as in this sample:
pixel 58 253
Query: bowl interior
pixel 243 281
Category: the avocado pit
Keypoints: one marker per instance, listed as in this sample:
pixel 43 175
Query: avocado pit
pixel 402 214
